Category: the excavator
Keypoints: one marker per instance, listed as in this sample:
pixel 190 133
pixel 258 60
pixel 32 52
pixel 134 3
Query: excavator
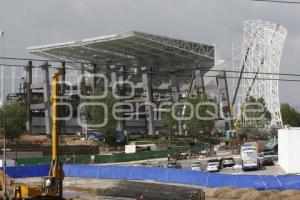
pixel 52 186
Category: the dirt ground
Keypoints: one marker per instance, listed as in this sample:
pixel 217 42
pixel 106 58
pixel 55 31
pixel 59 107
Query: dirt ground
pixel 251 194
pixel 83 189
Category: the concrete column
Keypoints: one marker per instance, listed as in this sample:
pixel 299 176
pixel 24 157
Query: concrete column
pixel 62 89
pixel 108 64
pixel 122 92
pixel 83 92
pixel 63 78
pixel 115 78
pixel 198 81
pixel 82 82
pixel 95 79
pixel 175 91
pixel 47 104
pixel 202 82
pixel 147 86
pixel 28 83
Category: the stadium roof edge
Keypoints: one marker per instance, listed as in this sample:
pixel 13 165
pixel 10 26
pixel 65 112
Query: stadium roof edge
pixel 133 45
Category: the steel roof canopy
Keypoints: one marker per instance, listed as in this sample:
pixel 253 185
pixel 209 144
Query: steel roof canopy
pixel 138 48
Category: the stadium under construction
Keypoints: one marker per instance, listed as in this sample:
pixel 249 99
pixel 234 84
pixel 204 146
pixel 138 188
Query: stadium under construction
pixel 148 70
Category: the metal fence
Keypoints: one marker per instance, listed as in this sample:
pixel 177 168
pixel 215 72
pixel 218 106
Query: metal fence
pixel 99 159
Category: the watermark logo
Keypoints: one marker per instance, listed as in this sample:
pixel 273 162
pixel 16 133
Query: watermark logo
pixel 130 106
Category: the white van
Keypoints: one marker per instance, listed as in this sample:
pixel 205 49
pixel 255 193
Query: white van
pixel 249 157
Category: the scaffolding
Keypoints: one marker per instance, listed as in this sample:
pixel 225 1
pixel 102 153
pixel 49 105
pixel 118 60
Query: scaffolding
pixel 261 54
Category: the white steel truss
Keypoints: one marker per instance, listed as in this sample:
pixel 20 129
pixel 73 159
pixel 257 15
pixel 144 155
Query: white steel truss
pixel 261 54
pixel 131 47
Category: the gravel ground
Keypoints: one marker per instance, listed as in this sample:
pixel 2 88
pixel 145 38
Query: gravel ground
pixel 79 189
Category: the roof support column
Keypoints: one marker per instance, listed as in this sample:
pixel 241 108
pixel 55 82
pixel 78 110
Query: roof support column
pixel 28 84
pixel 202 82
pixel 147 86
pixel 82 91
pixel 94 81
pixel 114 79
pixel 175 92
pixel 62 109
pixel 122 93
pixel 47 104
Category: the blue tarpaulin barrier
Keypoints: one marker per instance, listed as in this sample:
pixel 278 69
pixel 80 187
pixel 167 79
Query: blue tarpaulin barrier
pixel 28 171
pixel 214 180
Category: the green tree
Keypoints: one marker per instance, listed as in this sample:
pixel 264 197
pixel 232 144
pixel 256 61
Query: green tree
pixel 13 115
pixel 96 115
pixel 168 119
pixel 196 126
pixel 255 113
pixel 289 115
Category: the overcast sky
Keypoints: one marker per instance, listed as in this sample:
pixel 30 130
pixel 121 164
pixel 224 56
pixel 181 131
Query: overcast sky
pixel 220 22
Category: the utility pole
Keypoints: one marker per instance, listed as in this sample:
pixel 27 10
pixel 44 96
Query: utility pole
pixel 4 138
pixel 2 69
pixel 3 124
pixel 4 160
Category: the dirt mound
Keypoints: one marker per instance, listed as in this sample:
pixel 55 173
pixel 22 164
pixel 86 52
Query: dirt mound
pixel 223 192
pixel 251 194
pixel 236 194
pixel 64 140
pixel 34 139
pixel 290 195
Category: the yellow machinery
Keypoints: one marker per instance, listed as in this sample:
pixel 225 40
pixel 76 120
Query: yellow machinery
pixel 53 184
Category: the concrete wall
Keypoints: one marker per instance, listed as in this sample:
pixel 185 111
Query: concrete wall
pixel 289 149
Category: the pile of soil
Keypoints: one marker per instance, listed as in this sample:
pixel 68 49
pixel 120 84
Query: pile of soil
pixel 251 194
pixel 64 140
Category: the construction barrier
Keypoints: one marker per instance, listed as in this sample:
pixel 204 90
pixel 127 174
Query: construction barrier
pixel 28 171
pixel 213 180
pixel 102 159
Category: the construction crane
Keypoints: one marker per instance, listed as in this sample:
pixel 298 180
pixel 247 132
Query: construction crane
pixel 56 176
pixel 53 183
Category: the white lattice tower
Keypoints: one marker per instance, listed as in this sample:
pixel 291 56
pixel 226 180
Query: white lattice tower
pixel 261 55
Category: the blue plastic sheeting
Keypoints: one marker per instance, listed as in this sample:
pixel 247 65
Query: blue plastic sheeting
pixel 290 182
pixel 189 177
pixel 28 171
pixel 155 174
pixel 272 182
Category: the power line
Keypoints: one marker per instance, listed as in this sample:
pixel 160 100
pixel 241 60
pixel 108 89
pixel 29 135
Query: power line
pixel 211 76
pixel 168 73
pixel 22 66
pixel 274 1
pixel 235 71
pixel 45 60
pixel 232 77
pixel 89 63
